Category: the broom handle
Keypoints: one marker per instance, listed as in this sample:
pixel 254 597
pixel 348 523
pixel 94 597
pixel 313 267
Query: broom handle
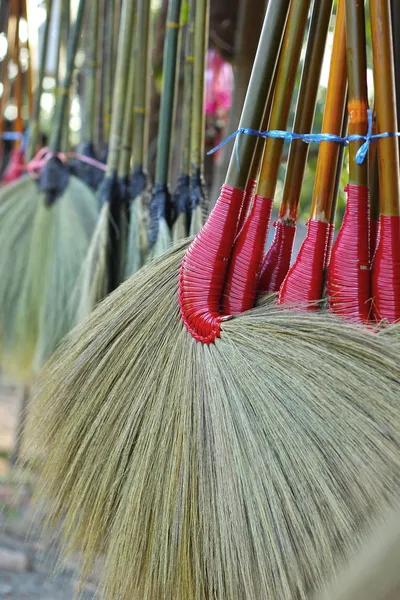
pixel 396 49
pixel 335 106
pixel 258 91
pixel 34 125
pixel 62 104
pixel 19 125
pixel 339 168
pixel 107 66
pixel 305 109
pixel 121 76
pixel 142 85
pixel 188 89
pixel 385 101
pixel 198 113
pixel 169 85
pixel 92 69
pixel 126 149
pixel 356 59
pixel 286 77
pixel 59 43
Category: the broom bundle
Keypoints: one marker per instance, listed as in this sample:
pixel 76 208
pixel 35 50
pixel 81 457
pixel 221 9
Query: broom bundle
pixel 211 455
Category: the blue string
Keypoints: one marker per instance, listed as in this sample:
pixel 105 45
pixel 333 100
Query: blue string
pixel 11 136
pixel 310 138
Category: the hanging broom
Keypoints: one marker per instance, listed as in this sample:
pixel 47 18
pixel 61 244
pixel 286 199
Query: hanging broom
pixel 211 463
pixel 181 226
pixel 198 193
pixel 386 264
pixel 139 188
pixel 101 271
pixel 304 281
pixel 373 179
pixel 161 210
pixel 54 233
pixel 277 260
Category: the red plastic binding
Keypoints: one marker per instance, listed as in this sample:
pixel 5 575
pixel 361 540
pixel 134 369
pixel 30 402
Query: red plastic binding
pixel 373 237
pixel 244 267
pixel 348 283
pixel 277 260
pixel 386 271
pixel 204 266
pixel 250 191
pixel 303 283
pixel 15 167
pixel 329 244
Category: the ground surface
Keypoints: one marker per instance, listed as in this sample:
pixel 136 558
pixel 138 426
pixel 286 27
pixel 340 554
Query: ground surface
pixel 38 582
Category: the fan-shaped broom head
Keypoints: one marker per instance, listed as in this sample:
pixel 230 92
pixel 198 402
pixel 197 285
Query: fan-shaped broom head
pixel 182 203
pixel 160 214
pixel 138 222
pixel 195 477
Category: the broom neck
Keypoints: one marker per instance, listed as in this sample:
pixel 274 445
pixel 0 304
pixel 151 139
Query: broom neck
pixel 356 58
pixel 188 89
pixel 92 68
pixel 258 91
pixel 34 123
pixel 202 14
pixel 127 134
pixel 305 109
pixel 142 84
pixel 63 102
pixel 335 106
pixel 168 95
pixel 285 81
pixel 385 102
pixel 120 87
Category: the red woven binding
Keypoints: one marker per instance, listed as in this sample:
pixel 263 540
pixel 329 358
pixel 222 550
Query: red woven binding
pixel 203 269
pixel 329 244
pixel 303 283
pixel 373 237
pixel 277 260
pixel 250 191
pixel 348 283
pixel 15 166
pixel 386 271
pixel 244 267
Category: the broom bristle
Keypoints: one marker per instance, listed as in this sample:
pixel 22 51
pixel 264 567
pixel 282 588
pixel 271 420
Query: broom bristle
pixel 179 229
pixel 53 251
pixel 373 574
pixel 163 241
pixel 197 221
pixel 198 480
pixel 137 240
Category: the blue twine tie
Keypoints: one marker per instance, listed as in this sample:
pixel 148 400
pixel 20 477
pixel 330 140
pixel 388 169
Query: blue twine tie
pixel 310 138
pixel 11 136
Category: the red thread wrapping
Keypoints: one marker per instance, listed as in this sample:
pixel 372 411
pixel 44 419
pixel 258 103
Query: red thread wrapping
pixel 244 267
pixel 348 283
pixel 303 283
pixel 329 244
pixel 250 191
pixel 204 266
pixel 277 260
pixel 15 166
pixel 386 271
pixel 373 237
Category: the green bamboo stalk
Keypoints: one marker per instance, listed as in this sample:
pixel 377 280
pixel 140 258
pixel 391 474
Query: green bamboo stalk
pixel 287 69
pixel 168 96
pixel 120 88
pixel 59 43
pixel 258 90
pixel 66 8
pixel 356 58
pixel 127 134
pixel 305 109
pixel 107 66
pixel 34 124
pixel 188 90
pixel 198 114
pixel 91 70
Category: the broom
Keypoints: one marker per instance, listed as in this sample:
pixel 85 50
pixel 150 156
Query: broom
pixel 198 194
pixel 181 227
pixel 304 281
pixel 139 188
pixel 198 478
pixel 386 263
pixel 277 260
pixel 60 216
pixel 101 270
pixel 348 282
pixel 373 196
pixel 373 573
pixel 161 210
